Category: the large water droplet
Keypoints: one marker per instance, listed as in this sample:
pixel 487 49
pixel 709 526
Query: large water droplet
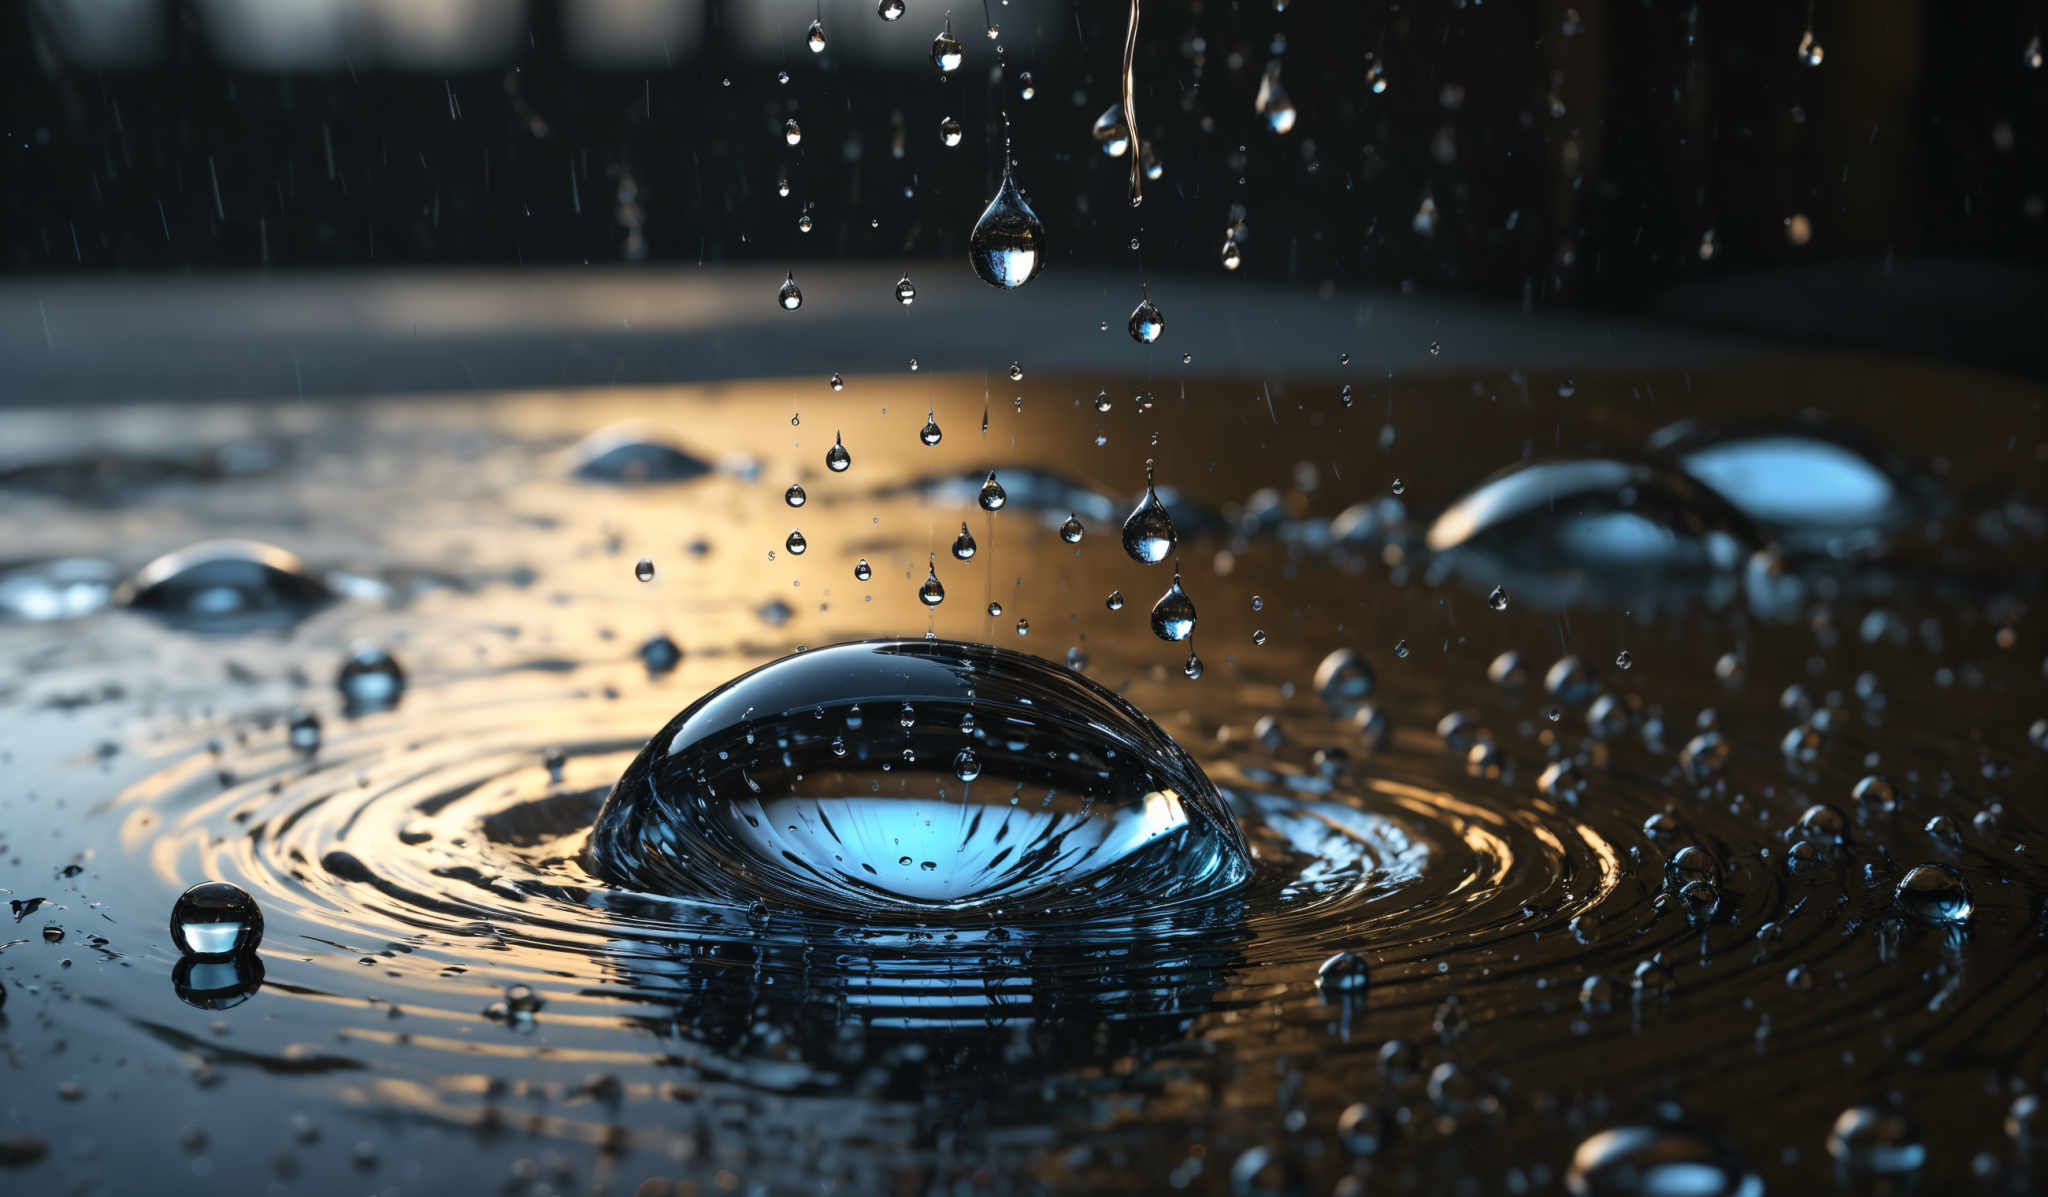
pixel 215 919
pixel 792 132
pixel 1146 322
pixel 963 544
pixel 223 579
pixel 1006 245
pixel 837 458
pixel 1148 530
pixel 1934 893
pixel 950 132
pixel 791 297
pixel 1111 133
pixel 1272 102
pixel 370 679
pixel 930 433
pixel 815 37
pixel 1071 530
pixel 795 543
pixel 932 593
pixel 1658 1161
pixel 906 291
pixel 1173 616
pixel 741 796
pixel 795 496
pixel 992 496
pixel 946 52
pixel 890 10
pixel 861 571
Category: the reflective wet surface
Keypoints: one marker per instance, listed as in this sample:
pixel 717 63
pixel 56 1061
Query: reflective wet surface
pixel 1727 878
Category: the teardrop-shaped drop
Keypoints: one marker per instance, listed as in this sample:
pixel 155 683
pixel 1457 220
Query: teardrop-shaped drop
pixel 950 133
pixel 1115 601
pixel 790 297
pixel 930 433
pixel 890 10
pixel 1146 322
pixel 1194 666
pixel 1233 257
pixel 1272 102
pixel 1173 616
pixel 963 544
pixel 1148 530
pixel 1071 531
pixel 861 572
pixel 796 544
pixel 1111 133
pixel 992 495
pixel 815 39
pixel 837 458
pixel 946 52
pixel 1005 247
pixel 795 496
pixel 906 291
pixel 931 592
pixel 792 133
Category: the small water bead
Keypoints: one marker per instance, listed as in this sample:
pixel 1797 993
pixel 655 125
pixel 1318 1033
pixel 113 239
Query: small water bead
pixel 1173 616
pixel 963 544
pixel 1259 637
pixel 795 496
pixel 1663 1160
pixel 861 571
pixel 1874 1140
pixel 1102 404
pixel 1071 531
pixel 1016 372
pixel 1934 893
pixel 815 37
pixel 1111 133
pixel 215 919
pixel 1193 668
pixel 950 133
pixel 803 223
pixel 991 496
pixel 370 679
pixel 1146 322
pixel 1401 649
pixel 1115 601
pixel 946 52
pixel 1497 598
pixel 1006 246
pixel 906 291
pixel 795 543
pixel 1023 627
pixel 302 730
pixel 931 593
pixel 1148 531
pixel 1343 973
pixel 837 458
pixel 791 297
pixel 1622 660
pixel 792 132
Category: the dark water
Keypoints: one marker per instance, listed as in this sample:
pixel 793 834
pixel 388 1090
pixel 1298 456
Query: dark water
pixel 1593 903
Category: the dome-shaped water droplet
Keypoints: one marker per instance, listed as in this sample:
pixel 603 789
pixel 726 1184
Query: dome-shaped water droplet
pixel 1343 676
pixel 1146 322
pixel 861 571
pixel 643 569
pixel 216 919
pixel 1122 823
pixel 792 132
pixel 1071 530
pixel 949 133
pixel 815 37
pixel 963 544
pixel 992 496
pixel 1343 973
pixel 1148 530
pixel 1873 1140
pixel 837 458
pixel 794 496
pixel 932 593
pixel 946 52
pixel 890 10
pixel 1656 1161
pixel 626 454
pixel 221 580
pixel 930 433
pixel 1111 133
pixel 1006 247
pixel 370 679
pixel 1173 616
pixel 791 297
pixel 1934 893
pixel 1272 102
pixel 795 543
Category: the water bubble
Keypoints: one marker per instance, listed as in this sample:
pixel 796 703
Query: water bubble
pixel 303 730
pixel 946 52
pixel 1173 616
pixel 837 458
pixel 1006 245
pixel 1875 793
pixel 994 608
pixel 1130 823
pixel 791 297
pixel 1823 823
pixel 1874 1140
pixel 1658 1161
pixel 792 133
pixel 1071 530
pixel 861 572
pixel 1342 973
pixel 1148 531
pixel 794 496
pixel 950 133
pixel 1111 133
pixel 1272 101
pixel 795 543
pixel 215 919
pixel 992 496
pixel 1934 893
pixel 815 37
pixel 906 291
pixel 1146 322
pixel 963 544
pixel 370 679
pixel 1497 598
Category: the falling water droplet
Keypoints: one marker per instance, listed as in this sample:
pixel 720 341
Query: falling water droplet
pixel 966 765
pixel 1272 102
pixel 1005 247
pixel 930 433
pixel 795 543
pixel 215 919
pixel 1810 51
pixel 1115 601
pixel 946 52
pixel 891 10
pixel 1111 133
pixel 837 458
pixel 1173 616
pixel 1146 322
pixel 950 133
pixel 815 38
pixel 932 593
pixel 790 297
pixel 992 496
pixel 906 291
pixel 1401 649
pixel 1233 257
pixel 1071 531
pixel 792 133
pixel 963 544
pixel 794 496
pixel 1497 598
pixel 1148 530
pixel 1622 659
pixel 994 608
pixel 644 570
pixel 1193 668
pixel 838 383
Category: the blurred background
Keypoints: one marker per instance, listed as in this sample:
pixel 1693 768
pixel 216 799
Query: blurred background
pixel 1822 173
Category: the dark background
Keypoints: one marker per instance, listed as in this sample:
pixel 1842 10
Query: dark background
pixel 1588 165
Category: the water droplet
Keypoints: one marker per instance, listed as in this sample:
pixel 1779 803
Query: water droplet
pixel 1622 660
pixel 1115 601
pixel 1173 616
pixel 303 730
pixel 626 454
pixel 1401 649
pixel 946 52
pixel 1497 598
pixel 950 133
pixel 1874 1140
pixel 794 496
pixel 1342 677
pixel 1023 627
pixel 1342 973
pixel 1148 530
pixel 660 654
pixel 815 38
pixel 1111 133
pixel 1016 372
pixel 931 593
pixel 215 919
pixel 992 496
pixel 1233 257
pixel 1259 637
pixel 792 132
pixel 1934 893
pixel 1102 403
pixel 791 297
pixel 1146 322
pixel 644 570
pixel 1026 89
pixel 206 983
pixel 1006 245
pixel 861 571
pixel 1272 102
pixel 963 544
pixel 1193 668
pixel 1655 1161
pixel 837 458
pixel 803 223
pixel 1130 825
pixel 906 291
pixel 838 384
pixel 795 543
pixel 1071 531
pixel 966 765
pixel 891 10
pixel 370 679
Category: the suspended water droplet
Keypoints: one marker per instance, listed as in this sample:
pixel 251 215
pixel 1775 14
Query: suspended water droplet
pixel 1934 893
pixel 1071 531
pixel 792 133
pixel 1810 51
pixel 1272 102
pixel 906 291
pixel 815 37
pixel 1148 531
pixel 370 679
pixel 838 384
pixel 891 10
pixel 950 133
pixel 660 654
pixel 1401 649
pixel 1343 676
pixel 963 544
pixel 1193 667
pixel 1023 627
pixel 931 593
pixel 992 496
pixel 1146 322
pixel 795 543
pixel 966 765
pixel 644 570
pixel 794 496
pixel 215 919
pixel 946 52
pixel 1497 598
pixel 1233 257
pixel 1006 247
pixel 803 223
pixel 790 296
pixel 1343 973
pixel 1102 403
pixel 1173 616
pixel 2030 56
pixel 994 608
pixel 930 433
pixel 837 458
pixel 861 571
pixel 1026 88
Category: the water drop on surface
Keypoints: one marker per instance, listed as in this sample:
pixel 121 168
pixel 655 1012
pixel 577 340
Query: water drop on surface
pixel 215 919
pixel 1934 893
pixel 1875 1141
pixel 794 496
pixel 218 579
pixel 1131 824
pixel 1146 322
pixel 302 729
pixel 1148 531
pixel 1658 1161
pixel 791 297
pixel 837 458
pixel 370 679
pixel 1006 247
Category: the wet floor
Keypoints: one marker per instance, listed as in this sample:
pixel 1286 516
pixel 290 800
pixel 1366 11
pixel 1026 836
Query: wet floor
pixel 1580 898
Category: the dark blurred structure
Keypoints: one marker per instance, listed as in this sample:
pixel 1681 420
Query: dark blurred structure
pixel 1862 175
